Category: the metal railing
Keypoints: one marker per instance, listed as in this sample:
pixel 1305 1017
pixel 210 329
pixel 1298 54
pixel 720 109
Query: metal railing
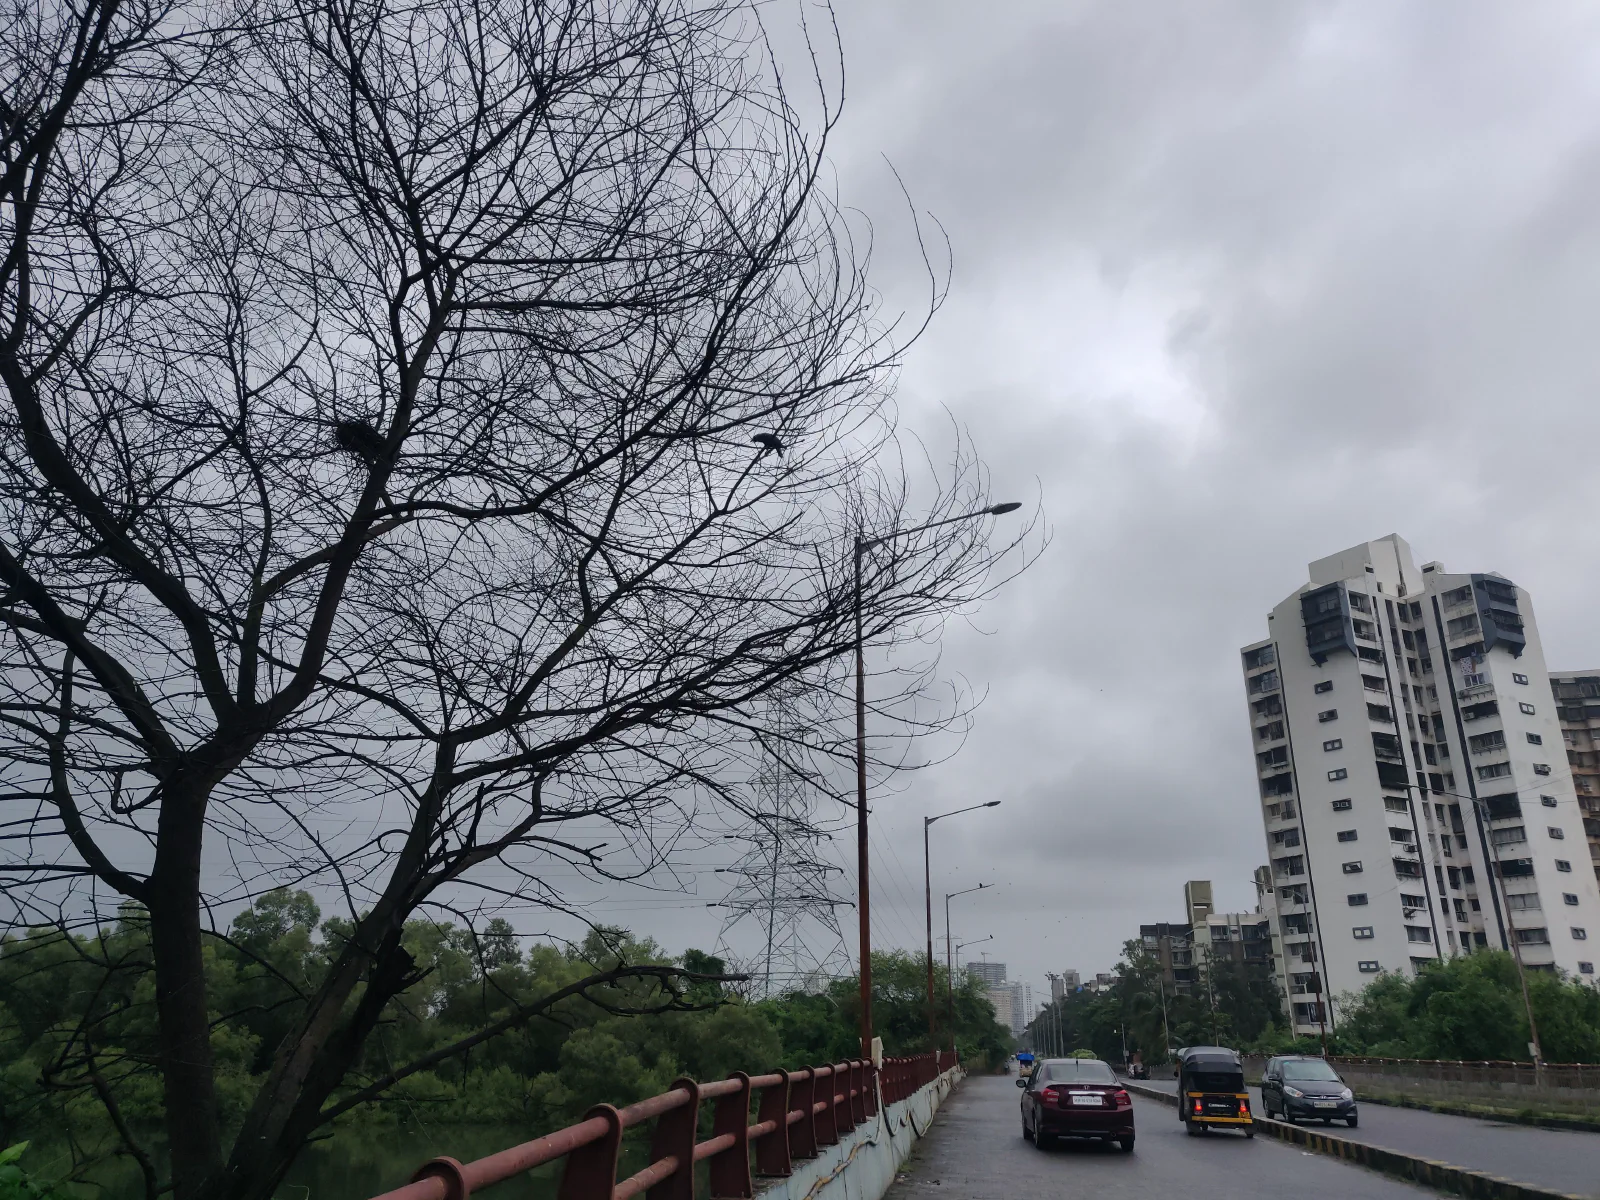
pixel 1556 1087
pixel 798 1114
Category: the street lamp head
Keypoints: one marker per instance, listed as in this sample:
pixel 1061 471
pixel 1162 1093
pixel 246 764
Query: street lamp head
pixel 992 804
pixel 1001 509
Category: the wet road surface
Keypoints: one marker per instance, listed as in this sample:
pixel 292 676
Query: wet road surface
pixel 1560 1159
pixel 976 1152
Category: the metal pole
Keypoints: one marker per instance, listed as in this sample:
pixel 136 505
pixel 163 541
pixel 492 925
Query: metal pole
pixel 1516 945
pixel 927 896
pixel 861 815
pixel 1498 882
pixel 1166 1030
pixel 950 975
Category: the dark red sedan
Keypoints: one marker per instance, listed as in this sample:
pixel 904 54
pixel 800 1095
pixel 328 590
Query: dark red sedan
pixel 1075 1097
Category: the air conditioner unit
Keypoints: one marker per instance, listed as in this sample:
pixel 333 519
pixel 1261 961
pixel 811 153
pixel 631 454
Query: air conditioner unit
pixel 1411 847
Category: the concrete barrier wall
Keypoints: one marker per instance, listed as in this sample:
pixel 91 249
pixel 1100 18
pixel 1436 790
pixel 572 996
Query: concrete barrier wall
pixel 866 1160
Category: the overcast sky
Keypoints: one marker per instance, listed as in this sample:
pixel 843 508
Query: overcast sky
pixel 1235 286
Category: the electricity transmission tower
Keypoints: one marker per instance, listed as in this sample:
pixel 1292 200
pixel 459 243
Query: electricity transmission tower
pixel 780 901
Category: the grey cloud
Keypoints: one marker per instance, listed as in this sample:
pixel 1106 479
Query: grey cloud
pixel 1235 285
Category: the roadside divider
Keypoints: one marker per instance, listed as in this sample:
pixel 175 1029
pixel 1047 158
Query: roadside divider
pixel 1443 1176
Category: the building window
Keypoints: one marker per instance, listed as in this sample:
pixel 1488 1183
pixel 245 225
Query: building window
pixel 1523 901
pixel 1333 744
pixel 1373 683
pixel 1380 712
pixel 1533 937
pixel 1325 686
pixel 1586 968
pixel 1511 835
pixel 1352 868
pixel 1361 932
pixel 1570 898
pixel 1541 768
pixel 1356 899
pixel 1515 678
pixel 1397 804
pixel 1556 832
pixel 1368 965
pixel 1418 933
pixel 1264 657
pixel 1328 714
pixel 1337 774
pixel 1535 739
pixel 1526 707
pixel 1498 771
pixel 1347 835
pixel 1341 806
pixel 1548 801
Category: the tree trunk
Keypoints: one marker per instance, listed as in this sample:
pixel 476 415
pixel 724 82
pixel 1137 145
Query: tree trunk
pixel 182 1009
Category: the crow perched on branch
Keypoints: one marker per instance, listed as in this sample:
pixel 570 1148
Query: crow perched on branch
pixel 770 443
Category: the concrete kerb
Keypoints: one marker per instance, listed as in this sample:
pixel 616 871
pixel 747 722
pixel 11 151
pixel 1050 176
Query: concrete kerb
pixel 1476 1185
pixel 867 1159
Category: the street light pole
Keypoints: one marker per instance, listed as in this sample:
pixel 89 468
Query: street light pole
pixel 950 986
pixel 862 545
pixel 950 966
pixel 1509 933
pixel 927 893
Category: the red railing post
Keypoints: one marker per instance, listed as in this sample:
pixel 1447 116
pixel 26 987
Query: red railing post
pixel 730 1168
pixel 858 1093
pixel 827 1126
pixel 675 1136
pixel 772 1151
pixel 869 1077
pixel 591 1171
pixel 802 1097
pixel 843 1122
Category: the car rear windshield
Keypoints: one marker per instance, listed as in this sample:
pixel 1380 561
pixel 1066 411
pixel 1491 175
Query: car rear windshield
pixel 1216 1081
pixel 1078 1070
pixel 1312 1071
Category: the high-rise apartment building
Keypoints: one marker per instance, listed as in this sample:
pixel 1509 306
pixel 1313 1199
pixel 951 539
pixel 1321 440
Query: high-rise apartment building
pixel 1578 709
pixel 990 974
pixel 1415 797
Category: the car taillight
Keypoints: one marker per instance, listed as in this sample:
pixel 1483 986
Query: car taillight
pixel 1197 1106
pixel 1120 1097
pixel 1244 1108
pixel 1050 1097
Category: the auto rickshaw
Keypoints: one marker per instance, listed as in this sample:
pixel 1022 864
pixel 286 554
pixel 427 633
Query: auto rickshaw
pixel 1211 1091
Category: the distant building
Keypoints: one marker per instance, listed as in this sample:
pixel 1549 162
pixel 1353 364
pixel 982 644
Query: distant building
pixel 1064 984
pixel 1578 709
pixel 990 974
pixel 1013 1003
pixel 1185 950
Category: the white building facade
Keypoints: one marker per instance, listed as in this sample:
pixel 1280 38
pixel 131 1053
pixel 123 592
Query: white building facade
pixel 1414 788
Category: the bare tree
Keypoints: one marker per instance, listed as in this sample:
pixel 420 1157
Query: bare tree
pixel 429 424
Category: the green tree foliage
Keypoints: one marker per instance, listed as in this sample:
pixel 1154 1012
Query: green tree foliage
pixel 1471 1008
pixel 77 1021
pixel 1241 1006
pixel 825 1027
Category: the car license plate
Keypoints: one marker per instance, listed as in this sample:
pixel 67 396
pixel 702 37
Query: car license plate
pixel 1326 1103
pixel 1087 1099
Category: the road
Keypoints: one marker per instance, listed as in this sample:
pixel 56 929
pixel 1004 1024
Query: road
pixel 1560 1159
pixel 976 1152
